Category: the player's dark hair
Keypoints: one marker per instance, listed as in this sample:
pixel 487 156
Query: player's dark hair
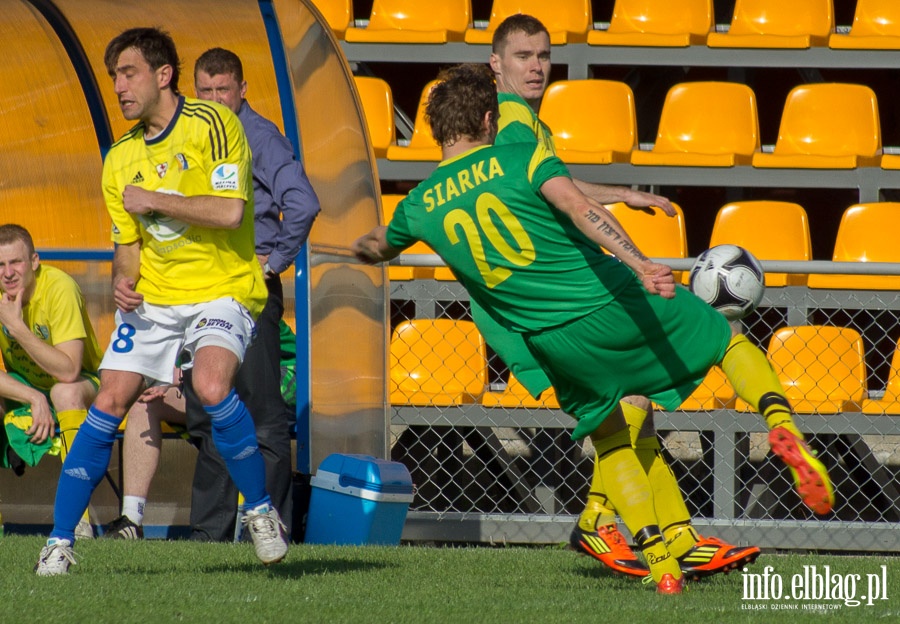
pixel 10 233
pixel 458 102
pixel 154 44
pixel 219 61
pixel 520 22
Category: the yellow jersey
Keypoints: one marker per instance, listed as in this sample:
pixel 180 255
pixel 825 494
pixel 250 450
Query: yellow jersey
pixel 203 151
pixel 56 313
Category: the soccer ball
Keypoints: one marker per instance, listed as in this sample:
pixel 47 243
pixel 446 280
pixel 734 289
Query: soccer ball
pixel 730 279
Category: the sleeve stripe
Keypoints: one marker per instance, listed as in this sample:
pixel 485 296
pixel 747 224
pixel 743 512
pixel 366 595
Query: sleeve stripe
pixel 218 137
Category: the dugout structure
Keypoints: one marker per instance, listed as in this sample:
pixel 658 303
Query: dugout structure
pixel 61 115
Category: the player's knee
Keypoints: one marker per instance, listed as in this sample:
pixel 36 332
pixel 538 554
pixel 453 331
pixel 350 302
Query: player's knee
pixel 67 396
pixel 640 402
pixel 210 390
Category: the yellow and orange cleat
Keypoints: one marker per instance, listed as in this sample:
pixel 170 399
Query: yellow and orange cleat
pixel 608 546
pixel 711 556
pixel 810 475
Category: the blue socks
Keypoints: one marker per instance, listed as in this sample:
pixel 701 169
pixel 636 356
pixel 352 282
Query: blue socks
pixel 83 469
pixel 234 435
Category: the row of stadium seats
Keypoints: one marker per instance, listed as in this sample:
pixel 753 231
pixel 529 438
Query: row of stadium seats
pixel 796 24
pixel 702 124
pixel 443 362
pixel 770 230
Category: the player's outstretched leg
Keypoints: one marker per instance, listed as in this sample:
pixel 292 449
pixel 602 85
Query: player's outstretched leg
pixel 754 380
pixel 810 475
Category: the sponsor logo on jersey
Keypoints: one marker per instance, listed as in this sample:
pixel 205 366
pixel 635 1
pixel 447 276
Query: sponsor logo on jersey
pixel 225 177
pixel 214 323
pixel 137 178
pixel 162 169
pixel 182 161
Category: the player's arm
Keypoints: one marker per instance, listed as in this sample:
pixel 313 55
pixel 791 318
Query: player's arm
pixel 204 210
pixel 43 425
pixel 603 194
pixel 126 271
pixel 600 226
pixel 373 247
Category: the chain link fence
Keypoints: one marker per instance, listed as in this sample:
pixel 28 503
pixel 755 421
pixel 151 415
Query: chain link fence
pixel 492 464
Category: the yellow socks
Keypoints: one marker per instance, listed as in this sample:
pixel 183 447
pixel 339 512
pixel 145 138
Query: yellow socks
pixel 680 538
pixel 69 422
pixel 629 490
pixel 753 379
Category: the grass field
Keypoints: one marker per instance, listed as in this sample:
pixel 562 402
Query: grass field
pixel 180 581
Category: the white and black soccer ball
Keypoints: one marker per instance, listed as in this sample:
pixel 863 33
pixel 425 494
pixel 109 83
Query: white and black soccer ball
pixel 730 279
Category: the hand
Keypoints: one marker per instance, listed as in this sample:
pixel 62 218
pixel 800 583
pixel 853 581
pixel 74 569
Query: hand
pixel 42 426
pixel 137 201
pixel 10 309
pixel 640 199
pixel 154 393
pixel 126 297
pixel 658 279
pixel 362 252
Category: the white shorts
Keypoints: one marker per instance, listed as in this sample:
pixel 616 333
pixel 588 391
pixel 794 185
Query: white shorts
pixel 150 340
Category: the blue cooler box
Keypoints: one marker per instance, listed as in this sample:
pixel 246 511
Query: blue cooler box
pixel 358 499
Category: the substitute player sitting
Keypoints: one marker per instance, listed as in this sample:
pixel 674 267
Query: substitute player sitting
pixel 49 351
pixel 186 281
pixel 526 244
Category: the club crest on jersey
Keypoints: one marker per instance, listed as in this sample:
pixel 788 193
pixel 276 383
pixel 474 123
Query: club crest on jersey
pixel 162 169
pixel 225 177
pixel 138 178
pixel 42 330
pixel 182 161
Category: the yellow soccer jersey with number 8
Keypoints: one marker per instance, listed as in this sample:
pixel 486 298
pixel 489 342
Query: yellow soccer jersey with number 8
pixel 203 151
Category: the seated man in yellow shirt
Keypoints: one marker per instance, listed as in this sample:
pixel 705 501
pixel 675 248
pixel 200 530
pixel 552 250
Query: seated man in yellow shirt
pixel 50 355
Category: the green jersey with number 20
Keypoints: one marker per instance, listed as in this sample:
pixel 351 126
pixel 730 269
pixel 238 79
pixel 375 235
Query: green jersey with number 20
pixel 520 258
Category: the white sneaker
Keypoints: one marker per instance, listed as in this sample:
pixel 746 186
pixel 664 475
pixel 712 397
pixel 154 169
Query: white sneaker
pixel 267 532
pixel 84 530
pixel 55 558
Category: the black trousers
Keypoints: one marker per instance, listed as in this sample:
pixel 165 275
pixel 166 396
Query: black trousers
pixel 258 384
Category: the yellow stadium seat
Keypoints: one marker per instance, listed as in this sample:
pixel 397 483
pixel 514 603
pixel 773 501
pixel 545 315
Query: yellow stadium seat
pixel 515 395
pixel 876 26
pixel 867 233
pixel 338 14
pixel 705 124
pixel 822 368
pixel 770 230
pixel 827 126
pixel 656 23
pixel 438 362
pixel 422 145
pixel 593 121
pixel 414 21
pixel 567 21
pixel 715 392
pixel 657 235
pixel 793 24
pixel 378 106
pixel 889 403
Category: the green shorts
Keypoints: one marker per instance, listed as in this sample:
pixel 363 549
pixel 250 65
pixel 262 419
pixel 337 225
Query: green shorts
pixel 639 344
pixel 13 405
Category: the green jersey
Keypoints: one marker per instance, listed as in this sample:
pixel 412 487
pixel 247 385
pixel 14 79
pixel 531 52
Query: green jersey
pixel 520 258
pixel 520 124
